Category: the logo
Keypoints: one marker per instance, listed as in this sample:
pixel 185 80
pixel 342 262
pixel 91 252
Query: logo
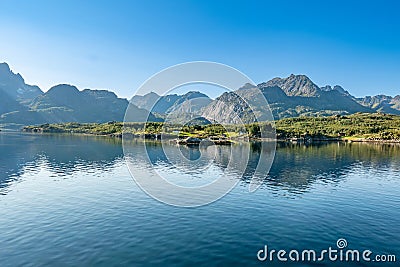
pixel 340 253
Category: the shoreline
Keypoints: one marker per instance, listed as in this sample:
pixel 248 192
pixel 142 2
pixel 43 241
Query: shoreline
pixel 234 140
pixel 359 128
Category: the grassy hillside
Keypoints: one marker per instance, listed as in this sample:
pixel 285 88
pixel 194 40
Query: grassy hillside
pixel 367 126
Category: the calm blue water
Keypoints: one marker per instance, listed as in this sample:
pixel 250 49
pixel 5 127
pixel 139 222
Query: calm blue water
pixel 70 201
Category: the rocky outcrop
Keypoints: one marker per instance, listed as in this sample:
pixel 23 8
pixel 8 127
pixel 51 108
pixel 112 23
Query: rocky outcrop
pixel 294 85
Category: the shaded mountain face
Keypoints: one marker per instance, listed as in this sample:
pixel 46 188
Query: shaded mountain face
pixel 190 102
pixel 62 95
pixel 14 93
pixel 22 104
pixel 174 108
pixel 146 101
pixel 15 87
pixel 155 103
pixel 8 104
pixel 65 103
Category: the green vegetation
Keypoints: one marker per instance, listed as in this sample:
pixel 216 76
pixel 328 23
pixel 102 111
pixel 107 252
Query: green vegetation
pixel 357 126
pixel 360 125
pixel 74 127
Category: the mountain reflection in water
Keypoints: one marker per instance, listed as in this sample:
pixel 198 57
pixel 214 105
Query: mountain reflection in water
pixel 295 167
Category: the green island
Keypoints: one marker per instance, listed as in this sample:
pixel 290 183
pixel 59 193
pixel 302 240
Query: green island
pixel 376 127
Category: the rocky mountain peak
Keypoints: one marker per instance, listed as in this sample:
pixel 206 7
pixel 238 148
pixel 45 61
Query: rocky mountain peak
pixel 247 86
pixel 8 75
pixel 14 85
pixel 337 88
pixel 294 85
pixel 4 68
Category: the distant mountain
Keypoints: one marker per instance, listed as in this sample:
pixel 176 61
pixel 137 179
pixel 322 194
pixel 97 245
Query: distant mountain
pixel 294 85
pixel 15 87
pixel 155 103
pixel 298 97
pixel 14 93
pixel 293 96
pixel 65 103
pixel 337 88
pixel 192 101
pixel 396 102
pixel 22 104
pixel 325 103
pixel 382 103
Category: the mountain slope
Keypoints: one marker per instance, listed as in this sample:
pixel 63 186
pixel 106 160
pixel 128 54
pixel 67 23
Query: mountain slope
pixel 14 93
pixel 155 103
pixel 293 96
pixel 300 97
pixel 22 104
pixel 192 101
pixel 65 103
pixel 337 88
pixel 382 103
pixel 8 104
pixel 15 87
pixel 294 85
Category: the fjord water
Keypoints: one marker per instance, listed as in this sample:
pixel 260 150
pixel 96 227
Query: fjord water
pixel 70 200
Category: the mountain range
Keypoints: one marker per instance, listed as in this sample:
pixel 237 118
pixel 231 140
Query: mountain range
pixel 293 96
pixel 22 104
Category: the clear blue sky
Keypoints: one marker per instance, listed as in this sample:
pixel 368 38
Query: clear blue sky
pixel 117 45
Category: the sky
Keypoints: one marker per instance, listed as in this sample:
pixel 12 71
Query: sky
pixel 118 45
